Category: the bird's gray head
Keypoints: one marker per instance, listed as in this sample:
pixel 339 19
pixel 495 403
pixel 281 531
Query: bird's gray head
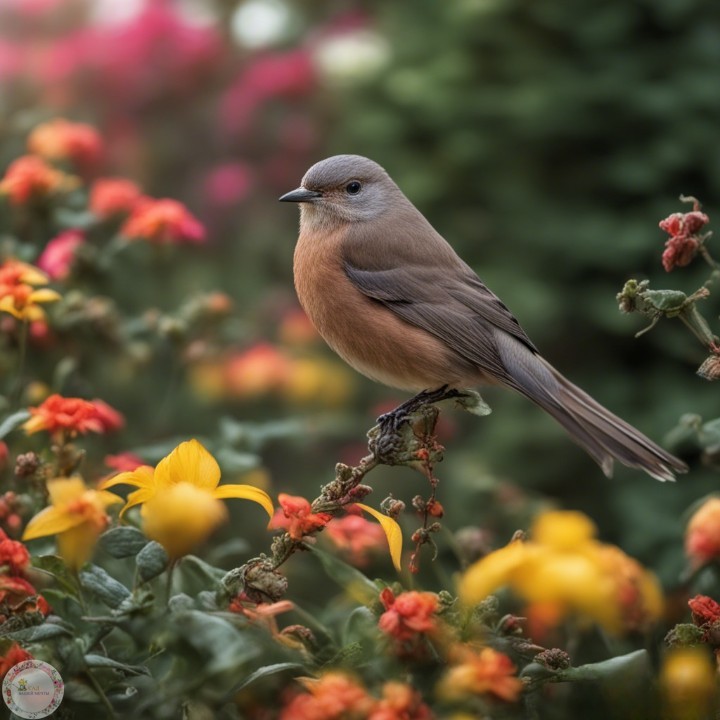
pixel 344 188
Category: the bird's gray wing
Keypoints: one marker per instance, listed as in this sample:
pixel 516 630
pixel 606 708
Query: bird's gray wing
pixel 451 303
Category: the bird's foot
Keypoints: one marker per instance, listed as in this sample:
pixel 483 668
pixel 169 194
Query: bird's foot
pixel 389 442
pixel 391 421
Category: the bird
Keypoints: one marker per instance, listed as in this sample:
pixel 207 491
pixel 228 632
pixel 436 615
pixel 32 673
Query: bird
pixel 392 297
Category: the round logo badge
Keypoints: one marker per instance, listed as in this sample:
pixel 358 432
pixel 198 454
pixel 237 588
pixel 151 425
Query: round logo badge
pixel 33 689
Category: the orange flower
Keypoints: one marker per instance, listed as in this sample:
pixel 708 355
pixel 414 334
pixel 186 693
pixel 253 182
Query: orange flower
pixel 60 139
pixel 297 517
pixel 30 178
pixel 296 328
pixel 113 196
pixel 163 221
pixel 479 673
pixel 702 537
pixel 11 657
pixel 400 702
pixel 357 537
pixel 256 371
pixel 14 556
pixel 334 696
pixel 18 295
pixel 73 416
pixel 408 614
pixel 262 614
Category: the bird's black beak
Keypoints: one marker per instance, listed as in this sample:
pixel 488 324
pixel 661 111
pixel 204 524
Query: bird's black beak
pixel 300 195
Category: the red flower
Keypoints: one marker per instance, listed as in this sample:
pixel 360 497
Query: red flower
pixel 226 185
pixel 30 177
pixel 113 196
pixel 60 139
pixel 58 256
pixel 683 243
pixel 164 222
pixel 124 462
pixel 357 537
pixel 14 589
pixel 13 555
pixel 297 517
pixel 72 415
pixel 13 655
pixel 408 614
pixel 704 610
pixel 256 371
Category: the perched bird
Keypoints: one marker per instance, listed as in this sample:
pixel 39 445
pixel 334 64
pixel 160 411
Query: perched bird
pixel 392 298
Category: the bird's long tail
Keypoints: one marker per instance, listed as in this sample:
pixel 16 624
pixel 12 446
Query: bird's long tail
pixel 604 436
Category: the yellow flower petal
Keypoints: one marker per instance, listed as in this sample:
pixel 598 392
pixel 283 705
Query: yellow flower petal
pixel 32 276
pixel 7 304
pixel 106 498
pixel 76 545
pixel 137 497
pixel 392 532
pixel 245 492
pixel 65 490
pixel 188 462
pixel 141 477
pixel 44 295
pixel 33 425
pixel 50 521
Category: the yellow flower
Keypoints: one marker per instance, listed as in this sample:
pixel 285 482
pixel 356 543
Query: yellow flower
pixel 564 567
pixel 76 515
pixel 181 497
pixel 688 684
pixel 17 294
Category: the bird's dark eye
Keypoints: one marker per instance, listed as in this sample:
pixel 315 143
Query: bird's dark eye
pixel 353 188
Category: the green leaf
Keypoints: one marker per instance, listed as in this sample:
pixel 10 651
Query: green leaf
pixel 56 567
pixel 100 661
pixel 105 587
pixel 360 625
pixel 193 575
pixel 349 578
pixel 235 461
pixel 38 633
pixel 268 671
pixel 151 561
pixel 12 421
pixel 124 541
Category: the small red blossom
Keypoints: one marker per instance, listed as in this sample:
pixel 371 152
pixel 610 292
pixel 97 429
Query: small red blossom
pixel 60 139
pixel 31 178
pixel 683 244
pixel 14 589
pixel 357 537
pixel 12 656
pixel 408 614
pixel 124 462
pixel 227 184
pixel 59 254
pixel 163 222
pixel 72 415
pixel 110 197
pixel 297 518
pixel 4 454
pixel 704 610
pixel 258 370
pixel 13 555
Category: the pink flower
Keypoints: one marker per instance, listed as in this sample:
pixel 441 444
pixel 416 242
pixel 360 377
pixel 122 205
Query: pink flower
pixel 124 462
pixel 683 243
pixel 163 221
pixel 357 537
pixel 408 614
pixel 57 257
pixel 227 184
pixel 287 74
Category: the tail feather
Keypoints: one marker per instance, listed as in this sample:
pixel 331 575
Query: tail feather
pixel 604 436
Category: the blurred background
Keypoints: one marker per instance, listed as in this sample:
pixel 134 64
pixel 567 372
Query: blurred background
pixel 543 139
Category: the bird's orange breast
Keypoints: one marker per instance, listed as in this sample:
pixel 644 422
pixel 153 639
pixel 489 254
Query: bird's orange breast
pixel 367 335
